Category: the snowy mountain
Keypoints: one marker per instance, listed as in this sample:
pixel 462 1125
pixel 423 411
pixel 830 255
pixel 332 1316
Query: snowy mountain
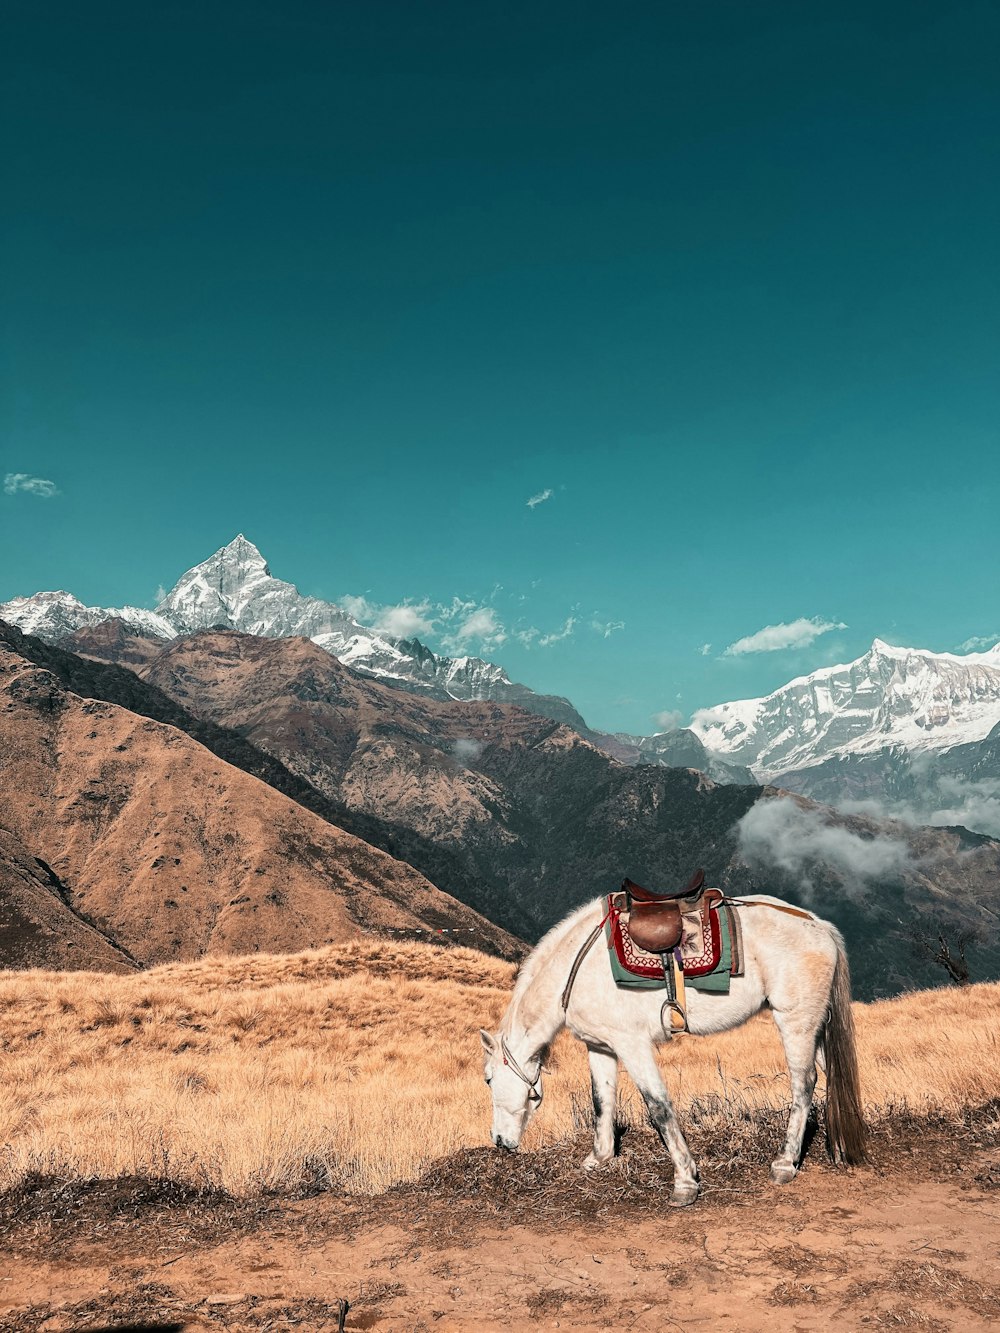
pixel 235 588
pixel 53 615
pixel 908 698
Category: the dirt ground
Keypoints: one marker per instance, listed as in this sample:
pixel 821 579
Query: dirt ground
pixel 490 1241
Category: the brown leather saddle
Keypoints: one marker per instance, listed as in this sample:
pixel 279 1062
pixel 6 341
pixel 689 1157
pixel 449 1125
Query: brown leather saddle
pixel 654 920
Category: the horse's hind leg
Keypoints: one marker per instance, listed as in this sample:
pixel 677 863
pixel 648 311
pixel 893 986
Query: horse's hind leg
pixel 642 1067
pixel 799 1035
pixel 604 1088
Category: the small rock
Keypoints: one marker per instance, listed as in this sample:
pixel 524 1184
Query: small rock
pixel 226 1298
pixel 596 1259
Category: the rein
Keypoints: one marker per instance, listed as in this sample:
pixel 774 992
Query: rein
pixel 581 955
pixel 534 1095
pixel 775 907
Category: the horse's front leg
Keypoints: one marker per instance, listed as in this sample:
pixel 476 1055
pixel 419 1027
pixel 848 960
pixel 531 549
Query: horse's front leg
pixel 604 1090
pixel 640 1062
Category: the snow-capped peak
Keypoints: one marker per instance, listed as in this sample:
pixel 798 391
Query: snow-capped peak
pixel 223 589
pixel 880 648
pixel 889 696
pixel 235 588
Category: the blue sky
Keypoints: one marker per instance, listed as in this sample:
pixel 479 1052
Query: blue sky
pixel 361 280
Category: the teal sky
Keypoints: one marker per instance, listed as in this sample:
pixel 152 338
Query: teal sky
pixel 361 279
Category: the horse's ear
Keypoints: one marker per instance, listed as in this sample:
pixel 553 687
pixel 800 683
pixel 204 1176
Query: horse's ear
pixel 489 1041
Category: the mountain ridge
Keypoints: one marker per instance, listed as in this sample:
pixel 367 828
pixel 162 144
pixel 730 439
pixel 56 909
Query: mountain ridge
pixel 922 700
pixel 235 589
pixel 119 823
pixel 869 723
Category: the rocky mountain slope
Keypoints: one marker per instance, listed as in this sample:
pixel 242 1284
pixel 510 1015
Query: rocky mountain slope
pixel 533 819
pixel 680 748
pixel 120 825
pixel 111 683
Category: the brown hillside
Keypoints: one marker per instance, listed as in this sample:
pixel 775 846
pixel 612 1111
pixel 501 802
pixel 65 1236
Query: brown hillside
pixel 302 704
pixel 37 924
pixel 172 853
pixel 114 641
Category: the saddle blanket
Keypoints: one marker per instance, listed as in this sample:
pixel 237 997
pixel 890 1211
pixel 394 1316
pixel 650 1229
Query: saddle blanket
pixel 706 950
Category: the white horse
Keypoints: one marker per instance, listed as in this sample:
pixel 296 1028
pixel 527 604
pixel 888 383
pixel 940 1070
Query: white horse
pixel 794 964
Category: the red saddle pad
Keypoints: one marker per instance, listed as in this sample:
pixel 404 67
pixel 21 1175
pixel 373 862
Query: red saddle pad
pixel 700 946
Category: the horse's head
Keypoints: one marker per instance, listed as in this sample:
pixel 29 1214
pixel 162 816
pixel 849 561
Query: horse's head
pixel 516 1090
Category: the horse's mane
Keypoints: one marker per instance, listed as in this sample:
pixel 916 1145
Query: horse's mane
pixel 542 955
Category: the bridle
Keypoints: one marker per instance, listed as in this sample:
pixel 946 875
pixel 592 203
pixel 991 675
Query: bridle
pixel 534 1092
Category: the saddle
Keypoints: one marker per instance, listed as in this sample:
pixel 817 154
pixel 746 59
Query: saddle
pixel 654 919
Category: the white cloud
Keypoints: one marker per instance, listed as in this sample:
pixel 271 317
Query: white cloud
pixel 978 642
pixel 669 720
pixel 781 833
pixel 705 649
pixel 466 750
pixel 950 800
pixel 480 625
pixel 360 608
pixel 774 638
pixel 405 621
pixel 456 607
pixel 606 627
pixel 21 481
pixel 557 635
pixel 540 498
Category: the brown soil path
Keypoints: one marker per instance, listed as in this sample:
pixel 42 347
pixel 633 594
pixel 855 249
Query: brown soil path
pixel 864 1250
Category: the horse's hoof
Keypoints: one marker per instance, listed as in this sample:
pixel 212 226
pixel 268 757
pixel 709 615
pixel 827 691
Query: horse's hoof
pixel 782 1174
pixel 683 1195
pixel 592 1162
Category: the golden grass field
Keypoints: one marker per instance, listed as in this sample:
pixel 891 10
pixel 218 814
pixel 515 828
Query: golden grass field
pixel 356 1066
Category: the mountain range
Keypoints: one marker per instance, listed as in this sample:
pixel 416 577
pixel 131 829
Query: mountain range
pixel 900 731
pixel 520 818
pixel 898 728
pixel 905 732
pixel 235 589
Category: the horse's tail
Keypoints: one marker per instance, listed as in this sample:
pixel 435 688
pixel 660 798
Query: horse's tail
pixel 846 1132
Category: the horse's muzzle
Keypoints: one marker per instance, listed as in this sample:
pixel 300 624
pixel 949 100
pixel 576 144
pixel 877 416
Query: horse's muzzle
pixel 500 1142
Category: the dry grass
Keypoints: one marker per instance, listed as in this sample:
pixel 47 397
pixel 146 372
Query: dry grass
pixel 354 1067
